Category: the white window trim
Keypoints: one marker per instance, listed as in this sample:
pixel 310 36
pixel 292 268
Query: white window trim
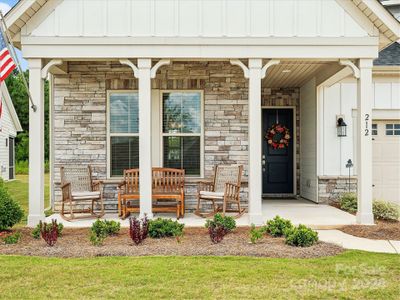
pixel 109 134
pixel 201 134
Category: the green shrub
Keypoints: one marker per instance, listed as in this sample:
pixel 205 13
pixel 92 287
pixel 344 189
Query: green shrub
pixel 97 240
pixel 36 231
pixel 101 229
pixel 228 223
pixel 10 211
pixel 256 233
pixel 301 236
pixel 277 226
pixel 384 210
pixel 160 228
pixel 348 202
pixel 12 239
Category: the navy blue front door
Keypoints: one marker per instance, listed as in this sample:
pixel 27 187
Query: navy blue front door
pixel 277 163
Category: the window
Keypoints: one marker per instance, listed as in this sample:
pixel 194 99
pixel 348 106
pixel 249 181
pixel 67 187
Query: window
pixel 182 131
pixel 374 129
pixel 392 129
pixel 123 132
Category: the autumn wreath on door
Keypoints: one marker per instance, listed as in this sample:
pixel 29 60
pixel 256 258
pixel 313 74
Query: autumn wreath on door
pixel 278 136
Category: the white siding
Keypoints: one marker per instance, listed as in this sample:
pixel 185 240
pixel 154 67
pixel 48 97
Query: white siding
pixel 341 99
pixel 308 144
pixel 196 18
pixel 8 129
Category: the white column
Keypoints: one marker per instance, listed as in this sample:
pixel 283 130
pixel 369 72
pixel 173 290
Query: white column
pixel 145 161
pixel 36 144
pixel 364 142
pixel 255 140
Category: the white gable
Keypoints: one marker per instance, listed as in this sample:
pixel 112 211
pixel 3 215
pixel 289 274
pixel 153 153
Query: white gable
pixel 199 18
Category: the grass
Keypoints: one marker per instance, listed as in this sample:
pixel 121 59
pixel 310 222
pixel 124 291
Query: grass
pixel 351 275
pixel 19 190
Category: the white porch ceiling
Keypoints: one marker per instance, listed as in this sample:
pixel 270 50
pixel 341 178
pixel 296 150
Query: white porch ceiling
pixel 293 73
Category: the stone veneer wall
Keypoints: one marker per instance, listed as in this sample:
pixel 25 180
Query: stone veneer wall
pixel 331 187
pixel 80 114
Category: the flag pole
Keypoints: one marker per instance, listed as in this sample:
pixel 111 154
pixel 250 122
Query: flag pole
pixel 8 42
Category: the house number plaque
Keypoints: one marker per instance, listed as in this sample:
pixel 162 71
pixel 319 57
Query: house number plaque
pixel 366 124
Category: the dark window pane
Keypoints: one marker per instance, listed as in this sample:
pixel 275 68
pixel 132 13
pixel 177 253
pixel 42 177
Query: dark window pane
pixel 181 113
pixel 397 132
pixel 396 126
pixel 389 126
pixel 124 154
pixel 182 153
pixel 389 132
pixel 124 116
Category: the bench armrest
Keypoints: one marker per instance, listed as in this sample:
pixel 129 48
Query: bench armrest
pixel 121 184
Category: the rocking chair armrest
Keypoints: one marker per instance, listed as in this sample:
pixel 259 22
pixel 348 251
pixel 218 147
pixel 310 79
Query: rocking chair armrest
pixel 96 185
pixel 232 189
pixel 66 191
pixel 65 185
pixel 205 186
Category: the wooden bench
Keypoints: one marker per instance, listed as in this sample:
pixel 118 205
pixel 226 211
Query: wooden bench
pixel 167 192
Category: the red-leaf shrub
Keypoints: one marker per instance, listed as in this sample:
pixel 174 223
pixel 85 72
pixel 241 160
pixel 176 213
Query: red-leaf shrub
pixel 138 229
pixel 217 233
pixel 219 226
pixel 49 232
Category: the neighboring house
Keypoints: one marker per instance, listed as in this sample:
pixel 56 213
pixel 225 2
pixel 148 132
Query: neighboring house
pixel 9 129
pixel 197 83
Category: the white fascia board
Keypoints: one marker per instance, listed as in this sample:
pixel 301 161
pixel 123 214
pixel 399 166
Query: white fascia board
pixel 201 41
pixel 10 106
pixel 386 17
pixel 17 11
pixel 386 114
pixel 386 70
pixel 199 51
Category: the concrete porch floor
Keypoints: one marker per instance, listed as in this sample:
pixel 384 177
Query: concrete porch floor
pixel 299 211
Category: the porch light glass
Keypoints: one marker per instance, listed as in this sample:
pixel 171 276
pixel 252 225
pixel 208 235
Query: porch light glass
pixel 341 127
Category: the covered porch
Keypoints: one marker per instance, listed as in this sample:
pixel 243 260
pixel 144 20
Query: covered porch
pixel 227 123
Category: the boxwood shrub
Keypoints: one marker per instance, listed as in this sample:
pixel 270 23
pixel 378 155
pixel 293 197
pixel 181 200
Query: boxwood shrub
pixel 277 226
pixel 301 236
pixel 160 228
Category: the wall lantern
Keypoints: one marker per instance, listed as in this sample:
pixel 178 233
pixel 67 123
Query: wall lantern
pixel 341 127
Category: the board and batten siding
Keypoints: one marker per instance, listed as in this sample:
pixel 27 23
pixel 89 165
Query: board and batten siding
pixel 199 18
pixel 8 130
pixel 308 145
pixel 341 99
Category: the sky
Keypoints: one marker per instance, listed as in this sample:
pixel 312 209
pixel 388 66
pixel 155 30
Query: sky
pixel 5 6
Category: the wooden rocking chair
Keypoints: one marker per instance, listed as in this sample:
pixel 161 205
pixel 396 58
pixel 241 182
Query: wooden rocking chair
pixel 78 187
pixel 224 188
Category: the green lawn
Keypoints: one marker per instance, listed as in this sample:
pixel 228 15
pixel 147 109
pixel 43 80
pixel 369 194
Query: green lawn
pixel 19 189
pixel 352 275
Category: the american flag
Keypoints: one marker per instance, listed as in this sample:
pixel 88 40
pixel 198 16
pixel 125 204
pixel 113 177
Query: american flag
pixel 7 65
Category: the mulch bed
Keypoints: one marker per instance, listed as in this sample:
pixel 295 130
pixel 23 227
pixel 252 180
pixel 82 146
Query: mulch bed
pixel 196 241
pixel 383 230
